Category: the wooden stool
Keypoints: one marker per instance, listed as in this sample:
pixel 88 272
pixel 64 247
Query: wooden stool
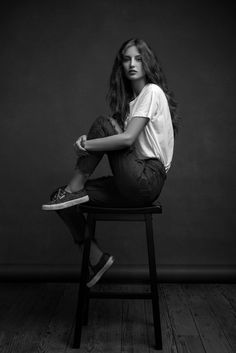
pixel 137 214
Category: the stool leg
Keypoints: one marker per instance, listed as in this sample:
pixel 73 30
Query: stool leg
pixel 91 227
pixel 86 306
pixel 81 303
pixel 153 280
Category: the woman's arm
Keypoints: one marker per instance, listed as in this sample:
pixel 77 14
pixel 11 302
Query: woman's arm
pixel 117 142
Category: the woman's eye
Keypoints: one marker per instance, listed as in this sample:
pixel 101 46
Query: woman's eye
pixel 139 59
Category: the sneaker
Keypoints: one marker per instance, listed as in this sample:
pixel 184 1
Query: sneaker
pixel 63 199
pixel 98 270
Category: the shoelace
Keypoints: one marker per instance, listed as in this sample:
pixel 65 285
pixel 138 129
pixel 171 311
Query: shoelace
pixel 59 194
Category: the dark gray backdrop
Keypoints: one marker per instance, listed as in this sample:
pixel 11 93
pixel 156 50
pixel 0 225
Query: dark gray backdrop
pixel 56 58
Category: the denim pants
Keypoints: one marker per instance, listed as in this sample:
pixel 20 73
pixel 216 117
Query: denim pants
pixel 134 182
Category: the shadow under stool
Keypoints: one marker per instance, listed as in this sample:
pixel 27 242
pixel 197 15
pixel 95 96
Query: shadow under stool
pixel 134 214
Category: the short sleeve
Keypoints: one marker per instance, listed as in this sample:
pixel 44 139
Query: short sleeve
pixel 147 104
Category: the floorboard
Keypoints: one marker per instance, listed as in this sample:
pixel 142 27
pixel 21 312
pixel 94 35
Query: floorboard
pixel 104 328
pixel 223 312
pixel 25 322
pixel 185 331
pixel 210 332
pixel 40 317
pixel 57 336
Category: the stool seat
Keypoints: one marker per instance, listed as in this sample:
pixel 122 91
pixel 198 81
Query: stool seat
pixel 154 208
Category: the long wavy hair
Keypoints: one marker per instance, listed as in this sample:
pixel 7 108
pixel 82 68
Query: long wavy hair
pixel 120 90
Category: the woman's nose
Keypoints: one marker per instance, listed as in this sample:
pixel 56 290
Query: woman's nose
pixel 132 62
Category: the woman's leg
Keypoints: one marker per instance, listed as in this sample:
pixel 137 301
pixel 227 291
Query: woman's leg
pixel 74 193
pixel 100 191
pixel 139 181
pixel 135 181
pixel 76 223
pixel 88 161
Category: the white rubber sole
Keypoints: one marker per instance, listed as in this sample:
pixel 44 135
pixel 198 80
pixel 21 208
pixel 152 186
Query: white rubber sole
pixel 67 204
pixel 101 272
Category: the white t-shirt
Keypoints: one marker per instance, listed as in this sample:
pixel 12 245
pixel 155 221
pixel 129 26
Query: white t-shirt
pixel 156 140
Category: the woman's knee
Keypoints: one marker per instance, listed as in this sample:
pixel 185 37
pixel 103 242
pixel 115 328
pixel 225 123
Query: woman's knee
pixel 101 127
pixel 106 122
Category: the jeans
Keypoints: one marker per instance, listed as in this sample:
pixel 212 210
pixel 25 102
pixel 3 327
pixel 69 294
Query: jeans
pixel 134 181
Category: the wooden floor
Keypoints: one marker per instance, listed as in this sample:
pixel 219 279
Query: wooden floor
pixel 39 317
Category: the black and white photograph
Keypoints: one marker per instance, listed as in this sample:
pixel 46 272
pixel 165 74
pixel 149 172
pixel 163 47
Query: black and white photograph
pixel 118 194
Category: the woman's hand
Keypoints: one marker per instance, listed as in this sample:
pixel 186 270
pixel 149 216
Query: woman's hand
pixel 79 144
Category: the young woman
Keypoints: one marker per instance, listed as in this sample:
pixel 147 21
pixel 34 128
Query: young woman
pixel 139 142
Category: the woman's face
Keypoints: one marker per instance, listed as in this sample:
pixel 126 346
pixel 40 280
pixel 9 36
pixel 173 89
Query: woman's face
pixel 133 65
